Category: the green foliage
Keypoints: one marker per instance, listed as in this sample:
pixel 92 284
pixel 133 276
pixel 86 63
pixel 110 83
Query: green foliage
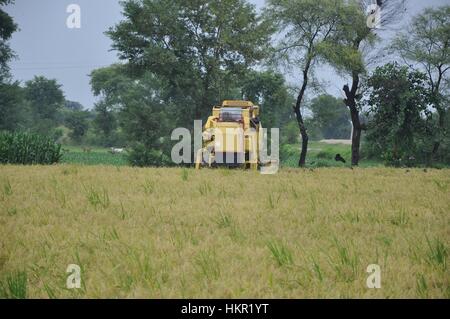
pixel 444 150
pixel 342 48
pixel 146 110
pixel 268 89
pixel 7 28
pixel 198 47
pixel 289 133
pixel 398 111
pixel 109 83
pixel 45 97
pixel 330 117
pixel 105 119
pixel 144 115
pixel 45 101
pixel 77 121
pixel 426 46
pixel 73 106
pixel 303 25
pixel 28 148
pixel 344 58
pixel 426 40
pixel 94 158
pixel 320 155
pixel 137 105
pixel 40 107
pixel 306 25
pixel 324 155
pixel 183 57
pixel 13 112
pixel 142 156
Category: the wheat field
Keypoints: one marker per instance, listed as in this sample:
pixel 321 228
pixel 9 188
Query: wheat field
pixel 181 233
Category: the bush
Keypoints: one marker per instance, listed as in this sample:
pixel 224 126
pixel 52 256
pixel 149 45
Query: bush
pixel 325 155
pixel 28 148
pixel 142 156
pixel 290 133
pixel 115 139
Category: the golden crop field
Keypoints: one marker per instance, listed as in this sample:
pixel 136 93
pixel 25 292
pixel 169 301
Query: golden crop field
pixel 165 233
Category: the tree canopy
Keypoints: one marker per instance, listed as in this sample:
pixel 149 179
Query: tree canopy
pixel 330 117
pixel 426 47
pixel 399 111
pixel 198 47
pixel 7 28
pixel 306 25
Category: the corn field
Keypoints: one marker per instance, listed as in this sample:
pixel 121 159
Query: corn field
pixel 28 148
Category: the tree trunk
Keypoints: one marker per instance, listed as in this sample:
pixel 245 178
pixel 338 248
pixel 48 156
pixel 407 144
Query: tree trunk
pixel 305 137
pixel 442 132
pixel 298 115
pixel 350 101
pixel 356 142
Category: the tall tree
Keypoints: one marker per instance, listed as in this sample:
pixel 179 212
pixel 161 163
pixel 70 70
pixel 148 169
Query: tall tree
pixel 110 84
pixel 198 47
pixel 141 105
pixel 305 25
pixel 77 121
pixel 145 115
pixel 398 107
pixel 45 98
pixel 7 28
pixel 13 113
pixel 346 50
pixel 269 90
pixel 426 46
pixel 105 119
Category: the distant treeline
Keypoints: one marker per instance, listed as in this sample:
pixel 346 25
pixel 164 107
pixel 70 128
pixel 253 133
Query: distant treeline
pixel 180 58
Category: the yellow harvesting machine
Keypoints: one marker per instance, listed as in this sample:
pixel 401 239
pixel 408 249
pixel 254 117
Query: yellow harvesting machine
pixel 231 136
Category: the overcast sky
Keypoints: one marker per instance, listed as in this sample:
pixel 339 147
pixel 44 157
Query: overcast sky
pixel 46 46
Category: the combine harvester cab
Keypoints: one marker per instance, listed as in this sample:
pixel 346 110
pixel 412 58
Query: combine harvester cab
pixel 231 137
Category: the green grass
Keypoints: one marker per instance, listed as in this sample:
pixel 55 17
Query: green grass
pixel 184 174
pixel 321 155
pixel 14 286
pixel 281 254
pixel 437 253
pixel 97 156
pixel 207 264
pixel 98 198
